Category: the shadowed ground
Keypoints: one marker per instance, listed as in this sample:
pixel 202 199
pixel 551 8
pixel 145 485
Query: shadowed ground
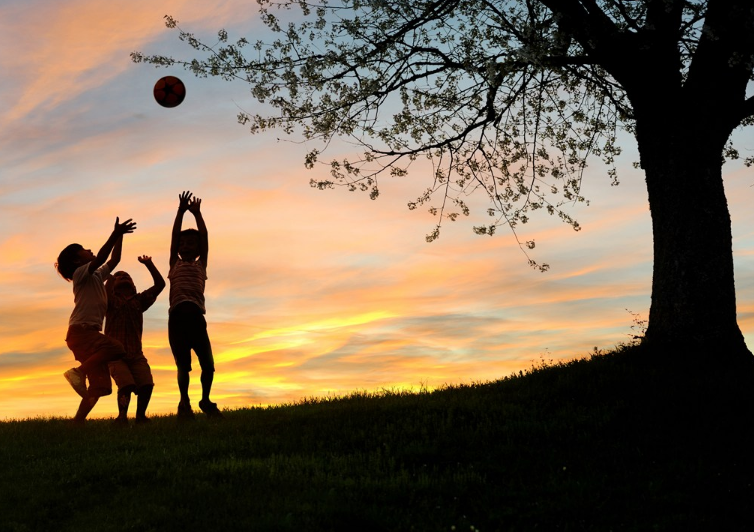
pixel 612 442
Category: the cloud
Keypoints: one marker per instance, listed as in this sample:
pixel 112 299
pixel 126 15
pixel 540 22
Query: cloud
pixel 79 46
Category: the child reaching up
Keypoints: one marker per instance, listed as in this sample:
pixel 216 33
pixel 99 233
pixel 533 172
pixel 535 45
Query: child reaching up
pixel 125 323
pixel 187 327
pixel 92 349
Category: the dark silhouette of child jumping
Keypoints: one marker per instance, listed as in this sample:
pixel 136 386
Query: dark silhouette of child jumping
pixel 187 327
pixel 90 347
pixel 125 322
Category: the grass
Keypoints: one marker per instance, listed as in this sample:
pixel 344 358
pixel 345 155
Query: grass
pixel 616 441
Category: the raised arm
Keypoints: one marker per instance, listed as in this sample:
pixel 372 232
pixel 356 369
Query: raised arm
pixel 158 281
pixel 116 254
pixel 175 240
pixel 116 238
pixel 195 206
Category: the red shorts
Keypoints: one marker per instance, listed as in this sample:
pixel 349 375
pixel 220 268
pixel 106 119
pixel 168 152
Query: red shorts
pixel 132 371
pixel 85 342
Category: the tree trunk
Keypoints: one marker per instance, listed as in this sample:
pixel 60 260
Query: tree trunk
pixel 693 310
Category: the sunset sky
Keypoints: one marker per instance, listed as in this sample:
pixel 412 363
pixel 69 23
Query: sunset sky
pixel 309 292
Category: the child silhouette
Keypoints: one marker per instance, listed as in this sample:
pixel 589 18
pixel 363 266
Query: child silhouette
pixel 125 322
pixel 187 327
pixel 90 347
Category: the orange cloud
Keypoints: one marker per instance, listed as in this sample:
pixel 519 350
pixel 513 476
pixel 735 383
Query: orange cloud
pixel 80 45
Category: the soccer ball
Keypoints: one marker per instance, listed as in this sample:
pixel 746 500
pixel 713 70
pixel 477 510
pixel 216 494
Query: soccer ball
pixel 169 91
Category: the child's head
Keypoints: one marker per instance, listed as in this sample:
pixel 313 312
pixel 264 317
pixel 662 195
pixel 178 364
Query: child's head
pixel 73 256
pixel 188 245
pixel 120 283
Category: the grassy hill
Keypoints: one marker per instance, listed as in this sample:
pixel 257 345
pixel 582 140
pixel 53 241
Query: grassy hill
pixel 615 442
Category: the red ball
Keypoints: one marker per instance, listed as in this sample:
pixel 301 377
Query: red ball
pixel 169 91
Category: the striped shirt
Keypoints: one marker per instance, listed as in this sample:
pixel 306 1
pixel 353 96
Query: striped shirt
pixel 125 319
pixel 187 283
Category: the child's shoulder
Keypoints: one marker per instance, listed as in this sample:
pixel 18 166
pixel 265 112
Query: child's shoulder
pixel 80 273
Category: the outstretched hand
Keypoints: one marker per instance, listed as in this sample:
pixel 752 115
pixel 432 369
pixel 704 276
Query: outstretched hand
pixel 184 201
pixel 126 227
pixel 195 205
pixel 145 259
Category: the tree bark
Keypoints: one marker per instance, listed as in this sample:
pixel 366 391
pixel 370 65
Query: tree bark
pixel 682 127
pixel 693 309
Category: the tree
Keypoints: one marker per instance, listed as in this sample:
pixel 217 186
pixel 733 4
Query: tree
pixel 510 98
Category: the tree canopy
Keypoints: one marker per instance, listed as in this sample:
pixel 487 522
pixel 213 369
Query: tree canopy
pixel 506 97
pixel 511 98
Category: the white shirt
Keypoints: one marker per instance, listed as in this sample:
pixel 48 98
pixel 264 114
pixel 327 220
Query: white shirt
pixel 89 296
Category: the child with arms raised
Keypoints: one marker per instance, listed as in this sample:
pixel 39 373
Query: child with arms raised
pixel 90 347
pixel 125 322
pixel 187 327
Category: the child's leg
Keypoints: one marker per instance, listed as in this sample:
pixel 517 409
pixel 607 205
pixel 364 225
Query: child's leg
pixel 207 362
pixel 179 336
pixel 94 349
pixel 203 348
pixel 85 406
pixel 142 401
pixel 100 384
pixel 90 348
pixel 102 358
pixel 207 378
pixel 124 399
pixel 142 375
pixel 184 406
pixel 184 379
pixel 121 373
